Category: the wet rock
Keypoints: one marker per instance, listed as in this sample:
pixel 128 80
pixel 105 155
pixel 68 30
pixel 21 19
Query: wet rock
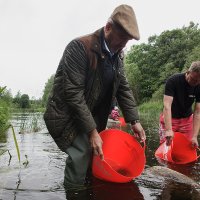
pixel 170 183
pixel 171 175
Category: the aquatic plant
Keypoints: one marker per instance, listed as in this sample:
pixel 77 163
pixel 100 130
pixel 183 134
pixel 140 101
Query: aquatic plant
pixel 31 122
pixel 36 122
pixel 16 143
pixel 26 162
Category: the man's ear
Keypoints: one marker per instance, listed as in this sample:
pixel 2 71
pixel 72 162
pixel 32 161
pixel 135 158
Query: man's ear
pixel 186 75
pixel 108 27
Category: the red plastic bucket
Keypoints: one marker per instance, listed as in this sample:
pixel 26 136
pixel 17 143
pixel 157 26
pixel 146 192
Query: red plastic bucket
pixel 179 152
pixel 124 157
pixel 122 121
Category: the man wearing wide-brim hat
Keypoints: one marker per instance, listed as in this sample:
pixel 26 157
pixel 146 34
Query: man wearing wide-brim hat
pixel 89 77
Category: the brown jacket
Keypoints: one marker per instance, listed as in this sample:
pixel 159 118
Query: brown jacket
pixel 76 90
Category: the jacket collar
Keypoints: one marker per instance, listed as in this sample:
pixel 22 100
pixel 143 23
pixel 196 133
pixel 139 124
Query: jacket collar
pixel 98 44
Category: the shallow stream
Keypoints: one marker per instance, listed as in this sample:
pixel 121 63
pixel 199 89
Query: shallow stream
pixel 41 172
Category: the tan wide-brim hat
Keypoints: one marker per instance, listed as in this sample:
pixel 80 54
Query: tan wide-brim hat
pixel 124 15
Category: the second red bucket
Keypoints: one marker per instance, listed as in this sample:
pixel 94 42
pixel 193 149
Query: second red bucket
pixel 124 157
pixel 179 152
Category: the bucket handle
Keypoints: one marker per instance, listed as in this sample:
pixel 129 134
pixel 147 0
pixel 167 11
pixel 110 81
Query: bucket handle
pixel 167 148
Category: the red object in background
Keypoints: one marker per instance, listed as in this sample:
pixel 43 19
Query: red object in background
pixel 114 115
pixel 122 121
pixel 124 157
pixel 179 152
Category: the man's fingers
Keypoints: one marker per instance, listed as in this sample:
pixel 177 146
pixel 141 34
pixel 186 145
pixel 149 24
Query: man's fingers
pixel 195 145
pixel 98 152
pixel 143 136
pixel 95 151
pixel 136 135
pixel 140 135
pixel 101 156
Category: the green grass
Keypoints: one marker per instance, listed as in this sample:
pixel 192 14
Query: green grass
pixel 149 115
pixel 152 107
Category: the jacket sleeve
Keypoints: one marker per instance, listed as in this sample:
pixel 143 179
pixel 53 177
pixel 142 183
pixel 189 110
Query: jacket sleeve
pixel 126 99
pixel 75 68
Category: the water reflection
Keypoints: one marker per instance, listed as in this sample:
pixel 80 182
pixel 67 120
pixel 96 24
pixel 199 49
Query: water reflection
pixel 100 190
pixel 28 122
pixel 177 191
pixel 42 176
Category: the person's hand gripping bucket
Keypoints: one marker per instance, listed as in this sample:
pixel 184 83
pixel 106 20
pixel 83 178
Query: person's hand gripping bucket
pixel 124 157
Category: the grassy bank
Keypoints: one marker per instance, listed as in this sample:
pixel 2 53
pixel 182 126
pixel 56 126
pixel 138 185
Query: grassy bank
pixel 149 114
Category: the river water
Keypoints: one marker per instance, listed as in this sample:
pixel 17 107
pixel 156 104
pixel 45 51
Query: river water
pixel 41 172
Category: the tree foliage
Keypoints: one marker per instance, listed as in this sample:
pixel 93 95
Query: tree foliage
pixel 47 90
pixel 16 99
pixel 4 109
pixel 192 56
pixel 24 101
pixel 170 52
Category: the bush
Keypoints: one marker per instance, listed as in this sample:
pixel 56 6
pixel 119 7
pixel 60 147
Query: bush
pixel 4 116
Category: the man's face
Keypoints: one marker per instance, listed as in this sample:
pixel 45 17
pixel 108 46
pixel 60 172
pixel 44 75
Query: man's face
pixel 193 78
pixel 116 39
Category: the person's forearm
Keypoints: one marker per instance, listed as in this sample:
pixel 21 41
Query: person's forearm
pixel 167 118
pixel 196 123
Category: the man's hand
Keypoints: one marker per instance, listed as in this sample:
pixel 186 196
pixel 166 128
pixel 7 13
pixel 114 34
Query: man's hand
pixel 139 131
pixel 169 135
pixel 194 142
pixel 96 143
